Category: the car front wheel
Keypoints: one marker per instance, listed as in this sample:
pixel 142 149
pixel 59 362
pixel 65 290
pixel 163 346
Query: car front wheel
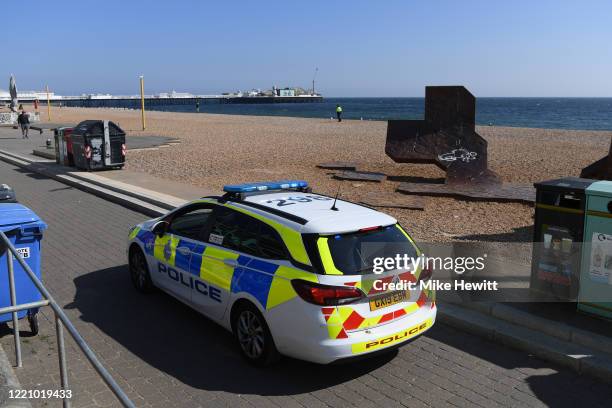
pixel 139 271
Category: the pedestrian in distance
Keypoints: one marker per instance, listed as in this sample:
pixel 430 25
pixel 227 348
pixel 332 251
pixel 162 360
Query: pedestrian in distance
pixel 339 112
pixel 24 123
pixel 198 105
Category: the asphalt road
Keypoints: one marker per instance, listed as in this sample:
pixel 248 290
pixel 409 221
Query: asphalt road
pixel 164 354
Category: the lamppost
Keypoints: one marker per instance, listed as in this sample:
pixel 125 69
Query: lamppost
pixel 142 103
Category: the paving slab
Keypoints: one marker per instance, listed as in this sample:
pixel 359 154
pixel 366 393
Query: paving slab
pixel 9 383
pixel 577 357
pixel 147 181
pixel 338 166
pixel 489 192
pixel 360 176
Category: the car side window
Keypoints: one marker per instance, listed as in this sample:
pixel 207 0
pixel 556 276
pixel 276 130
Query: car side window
pixel 270 244
pixel 239 232
pixel 189 224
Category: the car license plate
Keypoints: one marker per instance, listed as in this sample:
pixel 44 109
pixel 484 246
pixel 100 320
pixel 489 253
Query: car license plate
pixel 388 299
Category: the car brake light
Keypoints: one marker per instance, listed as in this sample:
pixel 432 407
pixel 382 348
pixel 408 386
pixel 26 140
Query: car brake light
pixel 369 228
pixel 325 295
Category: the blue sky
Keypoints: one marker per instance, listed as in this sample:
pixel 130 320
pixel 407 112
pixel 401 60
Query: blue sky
pixel 362 48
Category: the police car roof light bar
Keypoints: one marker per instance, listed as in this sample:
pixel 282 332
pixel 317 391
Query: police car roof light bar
pixel 266 185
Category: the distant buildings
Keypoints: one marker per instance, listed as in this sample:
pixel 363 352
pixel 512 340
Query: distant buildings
pixel 287 92
pixel 28 95
pixel 174 94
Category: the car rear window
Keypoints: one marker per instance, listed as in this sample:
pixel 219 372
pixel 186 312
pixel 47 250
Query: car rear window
pixel 354 253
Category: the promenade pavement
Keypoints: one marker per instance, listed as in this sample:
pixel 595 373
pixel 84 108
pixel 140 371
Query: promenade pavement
pixel 165 354
pixel 12 140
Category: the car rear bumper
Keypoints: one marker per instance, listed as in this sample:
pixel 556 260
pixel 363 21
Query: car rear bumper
pixel 363 343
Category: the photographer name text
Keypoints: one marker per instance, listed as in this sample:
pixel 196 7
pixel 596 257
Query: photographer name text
pixel 436 285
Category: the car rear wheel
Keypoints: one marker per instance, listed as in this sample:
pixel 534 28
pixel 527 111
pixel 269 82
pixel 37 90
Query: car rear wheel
pixel 139 271
pixel 253 336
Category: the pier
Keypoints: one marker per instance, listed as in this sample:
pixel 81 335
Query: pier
pixel 134 101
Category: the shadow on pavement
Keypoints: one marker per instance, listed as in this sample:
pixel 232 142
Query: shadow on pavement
pixel 31 173
pixel 24 329
pixel 562 388
pixel 179 341
pixel 417 179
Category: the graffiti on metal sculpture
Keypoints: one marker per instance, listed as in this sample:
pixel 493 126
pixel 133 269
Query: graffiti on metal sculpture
pixel 458 154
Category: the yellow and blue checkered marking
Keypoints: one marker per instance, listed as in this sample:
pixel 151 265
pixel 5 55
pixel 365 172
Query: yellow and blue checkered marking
pixel 255 282
pixel 181 260
pixel 148 240
pixel 268 282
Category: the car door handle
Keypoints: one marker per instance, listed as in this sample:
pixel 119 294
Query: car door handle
pixel 184 250
pixel 230 262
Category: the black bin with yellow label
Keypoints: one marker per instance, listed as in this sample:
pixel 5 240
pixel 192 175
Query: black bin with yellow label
pixel 557 236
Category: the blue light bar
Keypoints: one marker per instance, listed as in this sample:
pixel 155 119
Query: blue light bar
pixel 265 185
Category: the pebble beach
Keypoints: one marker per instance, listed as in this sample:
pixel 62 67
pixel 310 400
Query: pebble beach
pixel 221 149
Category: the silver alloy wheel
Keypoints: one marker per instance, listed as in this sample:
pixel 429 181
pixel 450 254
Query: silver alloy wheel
pixel 250 334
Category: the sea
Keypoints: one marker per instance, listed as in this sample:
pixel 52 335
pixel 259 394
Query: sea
pixel 547 113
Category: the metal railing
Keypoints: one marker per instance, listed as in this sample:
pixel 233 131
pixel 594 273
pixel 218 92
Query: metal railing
pixel 61 320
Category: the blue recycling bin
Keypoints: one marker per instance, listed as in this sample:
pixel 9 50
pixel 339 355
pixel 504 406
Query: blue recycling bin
pixel 25 230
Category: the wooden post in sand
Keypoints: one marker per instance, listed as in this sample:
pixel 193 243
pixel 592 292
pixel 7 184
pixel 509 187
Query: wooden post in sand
pixel 142 106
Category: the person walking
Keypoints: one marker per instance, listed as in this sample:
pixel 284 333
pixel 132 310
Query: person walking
pixel 24 123
pixel 339 112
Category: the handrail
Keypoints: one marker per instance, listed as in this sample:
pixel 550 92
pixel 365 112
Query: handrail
pixel 60 320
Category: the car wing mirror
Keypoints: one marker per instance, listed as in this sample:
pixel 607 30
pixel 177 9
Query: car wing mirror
pixel 160 228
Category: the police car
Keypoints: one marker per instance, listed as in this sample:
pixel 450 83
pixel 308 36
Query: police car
pixel 288 271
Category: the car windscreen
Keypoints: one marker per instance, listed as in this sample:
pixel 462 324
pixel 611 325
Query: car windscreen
pixel 354 253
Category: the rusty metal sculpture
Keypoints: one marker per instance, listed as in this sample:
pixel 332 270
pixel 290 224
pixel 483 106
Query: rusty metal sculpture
pixel 601 169
pixel 447 138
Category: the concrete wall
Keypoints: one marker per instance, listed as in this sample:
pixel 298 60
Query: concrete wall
pixel 10 118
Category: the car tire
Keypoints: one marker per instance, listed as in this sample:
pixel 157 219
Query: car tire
pixel 253 336
pixel 139 271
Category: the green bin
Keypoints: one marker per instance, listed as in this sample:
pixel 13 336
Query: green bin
pixel 595 294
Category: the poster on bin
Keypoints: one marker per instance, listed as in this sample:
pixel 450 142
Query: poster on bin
pixel 601 258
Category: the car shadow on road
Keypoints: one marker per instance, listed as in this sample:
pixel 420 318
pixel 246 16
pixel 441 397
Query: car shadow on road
pixel 182 343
